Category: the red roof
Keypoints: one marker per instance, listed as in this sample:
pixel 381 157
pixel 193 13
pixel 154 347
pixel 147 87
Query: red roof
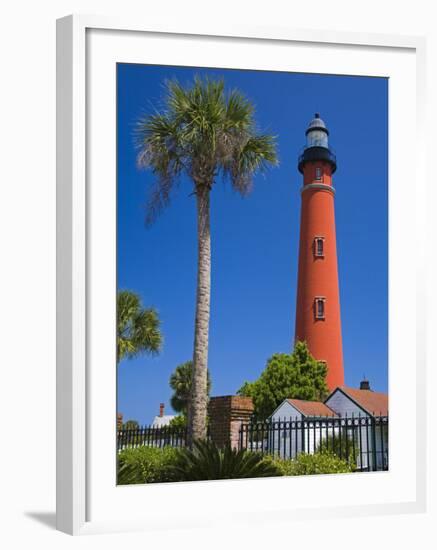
pixel 373 402
pixel 311 408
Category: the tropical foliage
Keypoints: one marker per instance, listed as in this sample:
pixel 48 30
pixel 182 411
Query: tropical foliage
pixel 138 328
pixel 145 465
pixel 181 384
pixel 206 461
pixel 309 464
pixel 204 133
pixel 297 375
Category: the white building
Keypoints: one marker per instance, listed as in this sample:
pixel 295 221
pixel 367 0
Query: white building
pixel 300 426
pixel 162 419
pixel 368 409
pixel 354 419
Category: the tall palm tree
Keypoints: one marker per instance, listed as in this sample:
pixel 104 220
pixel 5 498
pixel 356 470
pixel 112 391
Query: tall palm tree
pixel 204 133
pixel 138 328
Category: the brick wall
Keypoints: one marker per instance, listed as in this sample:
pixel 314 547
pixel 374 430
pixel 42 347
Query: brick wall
pixel 226 413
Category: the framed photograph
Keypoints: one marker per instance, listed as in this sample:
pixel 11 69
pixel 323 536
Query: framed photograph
pixel 240 286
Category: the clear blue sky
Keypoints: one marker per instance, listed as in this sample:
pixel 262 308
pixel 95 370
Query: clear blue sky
pixel 255 239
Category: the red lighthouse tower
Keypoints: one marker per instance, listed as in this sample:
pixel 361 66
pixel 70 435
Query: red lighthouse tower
pixel 318 303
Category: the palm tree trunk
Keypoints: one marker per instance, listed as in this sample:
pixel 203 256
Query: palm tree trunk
pixel 199 393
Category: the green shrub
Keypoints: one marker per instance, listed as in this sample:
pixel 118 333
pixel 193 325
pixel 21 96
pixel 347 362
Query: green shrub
pixel 309 464
pixel 207 461
pixel 179 421
pixel 145 465
pixel 343 447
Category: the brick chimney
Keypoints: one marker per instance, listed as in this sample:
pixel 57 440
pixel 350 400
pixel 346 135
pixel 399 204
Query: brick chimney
pixel 161 409
pixel 365 384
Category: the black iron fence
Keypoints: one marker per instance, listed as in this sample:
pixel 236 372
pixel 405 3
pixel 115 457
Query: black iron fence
pixel 151 436
pixel 358 439
pixel 361 440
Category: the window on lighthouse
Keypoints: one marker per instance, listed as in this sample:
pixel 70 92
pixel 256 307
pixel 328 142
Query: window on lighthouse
pixel 318 173
pixel 319 243
pixel 319 308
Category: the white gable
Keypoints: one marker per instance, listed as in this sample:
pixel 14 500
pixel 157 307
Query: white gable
pixel 285 411
pixel 343 404
pixel 160 421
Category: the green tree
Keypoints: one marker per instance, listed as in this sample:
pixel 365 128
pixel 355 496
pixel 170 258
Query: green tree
pixel 181 382
pixel 205 134
pixel 287 376
pixel 138 328
pixel 131 425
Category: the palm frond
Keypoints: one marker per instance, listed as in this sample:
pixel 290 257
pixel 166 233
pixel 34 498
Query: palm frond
pixel 181 384
pixel 146 335
pixel 239 112
pixel 258 152
pixel 255 155
pixel 138 328
pixel 201 131
pixel 159 148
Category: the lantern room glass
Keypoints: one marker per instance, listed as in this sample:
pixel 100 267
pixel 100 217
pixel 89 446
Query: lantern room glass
pixel 317 138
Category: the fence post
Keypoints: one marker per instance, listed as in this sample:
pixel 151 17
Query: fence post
pixel 375 463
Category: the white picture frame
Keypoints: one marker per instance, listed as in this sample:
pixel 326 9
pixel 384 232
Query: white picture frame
pixel 76 311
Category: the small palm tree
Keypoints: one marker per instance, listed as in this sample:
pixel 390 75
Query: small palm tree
pixel 206 461
pixel 203 133
pixel 138 328
pixel 181 381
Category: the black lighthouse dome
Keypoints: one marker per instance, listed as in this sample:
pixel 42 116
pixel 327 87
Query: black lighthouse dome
pixel 317 145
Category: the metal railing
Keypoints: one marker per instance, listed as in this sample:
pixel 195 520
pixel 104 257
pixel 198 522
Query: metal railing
pixel 317 153
pixel 358 439
pixel 151 436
